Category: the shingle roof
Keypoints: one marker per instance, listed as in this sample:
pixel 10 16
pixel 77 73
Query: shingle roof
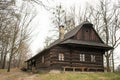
pixel 87 43
pixel 76 29
pixel 71 34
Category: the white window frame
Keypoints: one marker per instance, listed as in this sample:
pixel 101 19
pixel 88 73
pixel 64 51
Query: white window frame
pixel 61 57
pixel 93 58
pixel 82 57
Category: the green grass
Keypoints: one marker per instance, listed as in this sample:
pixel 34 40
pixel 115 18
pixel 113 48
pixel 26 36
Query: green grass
pixel 16 74
pixel 78 76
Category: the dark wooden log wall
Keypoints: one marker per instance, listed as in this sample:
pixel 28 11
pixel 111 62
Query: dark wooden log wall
pixel 72 58
pixel 38 59
pixel 54 54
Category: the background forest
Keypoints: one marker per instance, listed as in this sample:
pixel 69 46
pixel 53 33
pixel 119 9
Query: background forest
pixel 17 34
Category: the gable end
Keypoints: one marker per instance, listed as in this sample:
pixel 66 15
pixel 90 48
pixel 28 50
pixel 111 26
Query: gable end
pixel 88 33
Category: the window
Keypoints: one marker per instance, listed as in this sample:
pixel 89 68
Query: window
pixel 82 57
pixel 93 58
pixel 43 59
pixel 61 57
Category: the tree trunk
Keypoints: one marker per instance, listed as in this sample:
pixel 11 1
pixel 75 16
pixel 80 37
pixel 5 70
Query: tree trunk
pixel 112 61
pixel 19 61
pixel 107 61
pixel 9 64
pixel 1 61
pixel 4 61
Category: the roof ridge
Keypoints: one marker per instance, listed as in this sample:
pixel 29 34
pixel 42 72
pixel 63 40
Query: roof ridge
pixel 67 36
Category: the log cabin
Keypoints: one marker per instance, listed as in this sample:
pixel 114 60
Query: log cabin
pixel 81 49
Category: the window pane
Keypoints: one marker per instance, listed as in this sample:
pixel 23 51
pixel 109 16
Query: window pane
pixel 93 58
pixel 61 57
pixel 82 57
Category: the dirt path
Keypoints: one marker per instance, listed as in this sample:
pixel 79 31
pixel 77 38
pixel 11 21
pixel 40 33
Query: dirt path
pixel 32 77
pixel 16 75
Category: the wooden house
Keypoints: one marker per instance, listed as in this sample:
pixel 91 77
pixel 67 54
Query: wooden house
pixel 81 49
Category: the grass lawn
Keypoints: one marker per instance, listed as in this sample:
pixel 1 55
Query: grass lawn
pixel 79 76
pixel 16 74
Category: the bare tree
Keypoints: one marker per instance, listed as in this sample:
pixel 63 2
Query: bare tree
pixel 14 30
pixel 106 19
pixel 58 16
pixel 20 32
pixel 70 19
pixel 63 17
pixel 48 41
pixel 6 16
pixel 21 55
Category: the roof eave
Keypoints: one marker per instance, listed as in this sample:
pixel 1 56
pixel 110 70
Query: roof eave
pixel 106 48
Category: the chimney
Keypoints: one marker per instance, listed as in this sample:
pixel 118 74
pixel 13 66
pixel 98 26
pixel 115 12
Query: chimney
pixel 61 32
